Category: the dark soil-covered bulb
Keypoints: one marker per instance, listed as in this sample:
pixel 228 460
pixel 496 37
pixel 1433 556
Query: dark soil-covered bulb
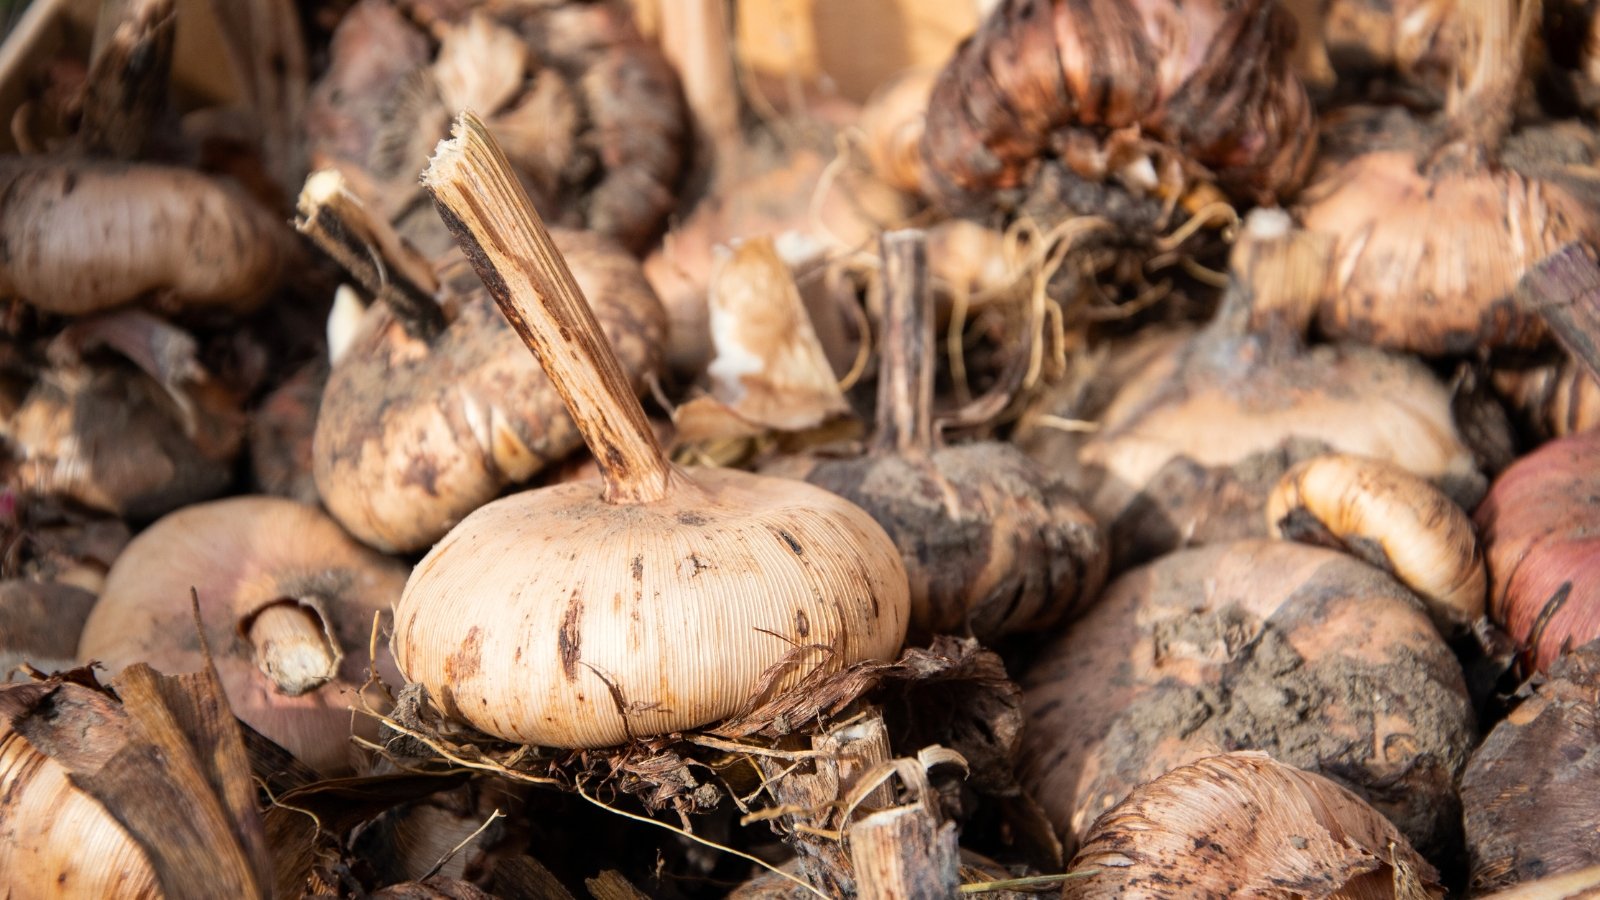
pixel 993 545
pixel 585 615
pixel 1530 792
pixel 1541 527
pixel 1246 825
pixel 1153 96
pixel 1307 654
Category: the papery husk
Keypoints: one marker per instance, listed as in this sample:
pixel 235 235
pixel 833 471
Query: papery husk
pixel 39 624
pixel 781 195
pixel 1244 825
pixel 1529 793
pixel 1538 527
pixel 50 544
pixel 147 797
pixel 412 436
pixel 110 438
pixel 243 556
pixel 1304 653
pixel 1094 88
pixel 770 368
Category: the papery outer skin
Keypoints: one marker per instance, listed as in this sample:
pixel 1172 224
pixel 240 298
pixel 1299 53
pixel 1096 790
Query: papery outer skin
pixel 527 617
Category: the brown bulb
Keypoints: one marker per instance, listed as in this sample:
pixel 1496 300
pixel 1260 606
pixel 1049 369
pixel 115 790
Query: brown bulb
pixel 414 434
pixel 1041 83
pixel 993 544
pixel 1243 824
pixel 1539 529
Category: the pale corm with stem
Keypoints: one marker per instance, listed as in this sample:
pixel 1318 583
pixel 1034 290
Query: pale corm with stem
pixel 586 616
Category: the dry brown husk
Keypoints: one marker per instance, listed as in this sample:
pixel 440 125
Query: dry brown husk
pixel 141 793
pixel 1153 98
pixel 1529 793
pixel 1195 438
pixel 244 556
pixel 1245 825
pixel 1307 654
pixel 45 543
pixel 590 112
pixel 1538 527
pixel 814 206
pixel 413 435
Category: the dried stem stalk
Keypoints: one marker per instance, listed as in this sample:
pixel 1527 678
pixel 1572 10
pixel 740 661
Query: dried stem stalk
pixel 367 247
pixel 1564 290
pixel 292 648
pixel 905 379
pixel 492 219
pixel 696 39
pixel 904 853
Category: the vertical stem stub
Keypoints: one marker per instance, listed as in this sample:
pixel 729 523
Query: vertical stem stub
pixel 905 375
pixel 493 221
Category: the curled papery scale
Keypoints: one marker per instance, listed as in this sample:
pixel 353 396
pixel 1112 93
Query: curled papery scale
pixel 411 436
pixel 635 620
pixel 1209 80
pixel 1528 793
pixel 1305 653
pixel 55 840
pixel 1245 825
pixel 81 236
pixel 1541 530
pixel 246 557
pixel 1393 520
